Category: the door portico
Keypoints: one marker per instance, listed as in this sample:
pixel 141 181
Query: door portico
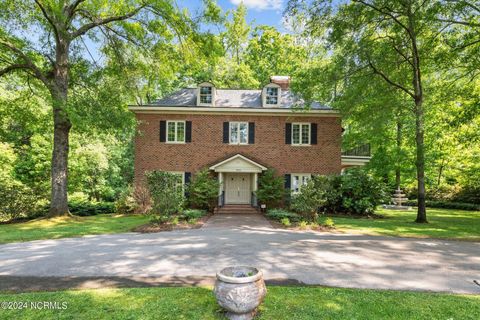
pixel 238 177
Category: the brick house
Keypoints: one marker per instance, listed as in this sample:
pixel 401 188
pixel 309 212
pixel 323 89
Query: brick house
pixel 238 134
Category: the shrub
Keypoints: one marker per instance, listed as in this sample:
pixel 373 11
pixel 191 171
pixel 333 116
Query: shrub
pixel 192 221
pixel 142 199
pixel 86 208
pixel 285 222
pixel 16 200
pixel 166 192
pixel 193 214
pixel 203 191
pixel 270 189
pixel 326 221
pixel 303 225
pixel 126 202
pixel 279 214
pixel 307 201
pixel 361 194
pixel 174 221
pixel 446 205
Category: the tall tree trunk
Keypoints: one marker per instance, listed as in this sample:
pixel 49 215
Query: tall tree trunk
pixel 61 131
pixel 399 150
pixel 419 117
pixel 420 163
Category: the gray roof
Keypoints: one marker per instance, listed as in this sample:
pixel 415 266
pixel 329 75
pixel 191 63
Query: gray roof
pixel 233 98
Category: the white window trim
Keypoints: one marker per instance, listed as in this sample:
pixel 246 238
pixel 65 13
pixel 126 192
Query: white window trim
pixel 238 132
pixel 300 134
pixel 199 89
pixel 300 176
pixel 182 174
pixel 264 95
pixel 176 131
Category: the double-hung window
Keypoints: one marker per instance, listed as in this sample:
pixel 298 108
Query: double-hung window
pixel 176 131
pixel 238 132
pixel 179 181
pixel 272 96
pixel 301 133
pixel 206 95
pixel 299 180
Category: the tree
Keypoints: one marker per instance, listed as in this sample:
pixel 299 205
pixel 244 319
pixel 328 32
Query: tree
pixel 52 55
pixel 271 190
pixel 203 190
pixel 390 39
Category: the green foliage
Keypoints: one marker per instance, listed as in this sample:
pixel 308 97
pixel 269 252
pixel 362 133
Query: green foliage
pixel 191 214
pixel 303 225
pixel 447 205
pixel 203 190
pixel 307 201
pixel 360 192
pixel 286 222
pixel 16 200
pixel 87 208
pixel 126 203
pixel 279 214
pixel 270 189
pixel 326 221
pixel 166 192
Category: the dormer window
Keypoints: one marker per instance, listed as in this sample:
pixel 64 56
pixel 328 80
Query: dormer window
pixel 272 96
pixel 206 94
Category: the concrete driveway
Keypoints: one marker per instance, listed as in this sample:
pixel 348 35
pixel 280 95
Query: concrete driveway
pixel 342 260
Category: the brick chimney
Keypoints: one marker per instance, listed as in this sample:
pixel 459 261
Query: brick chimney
pixel 282 81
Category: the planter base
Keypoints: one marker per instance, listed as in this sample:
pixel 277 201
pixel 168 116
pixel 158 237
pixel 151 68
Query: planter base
pixel 240 316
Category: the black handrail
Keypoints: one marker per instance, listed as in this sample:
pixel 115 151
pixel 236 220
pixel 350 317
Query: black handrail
pixel 360 151
pixel 253 200
pixel 222 199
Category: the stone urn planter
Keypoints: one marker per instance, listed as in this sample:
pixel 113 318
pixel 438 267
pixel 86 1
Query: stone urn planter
pixel 240 290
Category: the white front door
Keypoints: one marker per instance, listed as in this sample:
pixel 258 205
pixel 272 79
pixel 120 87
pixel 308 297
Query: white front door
pixel 237 188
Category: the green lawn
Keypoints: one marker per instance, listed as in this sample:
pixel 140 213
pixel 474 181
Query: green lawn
pixel 62 227
pixel 280 303
pixel 443 224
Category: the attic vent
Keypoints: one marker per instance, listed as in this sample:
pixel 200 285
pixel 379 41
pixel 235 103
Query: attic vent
pixel 282 81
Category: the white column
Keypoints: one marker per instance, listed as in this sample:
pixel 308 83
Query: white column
pixel 255 186
pixel 220 188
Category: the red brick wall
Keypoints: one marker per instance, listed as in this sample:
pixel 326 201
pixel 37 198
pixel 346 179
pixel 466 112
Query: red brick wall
pixel 207 148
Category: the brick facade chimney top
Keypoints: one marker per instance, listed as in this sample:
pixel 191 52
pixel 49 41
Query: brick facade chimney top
pixel 282 81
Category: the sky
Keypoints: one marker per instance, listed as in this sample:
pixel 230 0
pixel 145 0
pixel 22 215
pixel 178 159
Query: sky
pixel 259 12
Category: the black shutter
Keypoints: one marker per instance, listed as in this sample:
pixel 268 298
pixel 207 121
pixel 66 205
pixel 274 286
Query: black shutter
pixel 187 177
pixel 288 179
pixel 188 131
pixel 288 133
pixel 313 133
pixel 163 130
pixel 226 129
pixel 251 132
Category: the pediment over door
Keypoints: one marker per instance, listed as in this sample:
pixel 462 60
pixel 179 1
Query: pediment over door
pixel 238 163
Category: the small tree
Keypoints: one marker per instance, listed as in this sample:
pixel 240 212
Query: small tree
pixel 308 200
pixel 166 192
pixel 270 188
pixel 203 191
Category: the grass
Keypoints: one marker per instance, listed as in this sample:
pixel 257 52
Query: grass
pixel 280 303
pixel 63 227
pixel 443 224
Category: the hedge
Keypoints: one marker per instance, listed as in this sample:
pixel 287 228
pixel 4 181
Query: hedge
pixel 446 205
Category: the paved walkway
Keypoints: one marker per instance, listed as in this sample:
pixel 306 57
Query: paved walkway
pixel 342 260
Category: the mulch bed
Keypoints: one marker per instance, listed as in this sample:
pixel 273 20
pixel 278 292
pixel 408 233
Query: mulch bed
pixel 182 225
pixel 278 225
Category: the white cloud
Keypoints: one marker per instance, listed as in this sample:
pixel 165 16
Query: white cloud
pixel 260 4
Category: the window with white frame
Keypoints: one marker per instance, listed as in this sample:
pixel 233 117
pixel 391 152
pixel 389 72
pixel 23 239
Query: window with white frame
pixel 176 131
pixel 271 96
pixel 206 94
pixel 301 133
pixel 299 180
pixel 180 181
pixel 238 132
